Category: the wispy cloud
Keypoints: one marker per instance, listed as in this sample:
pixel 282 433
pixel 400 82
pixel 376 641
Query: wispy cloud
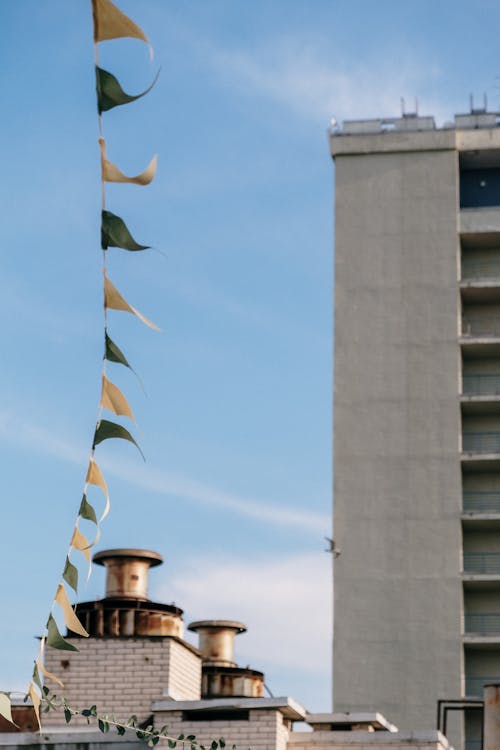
pixel 33 437
pixel 286 604
pixel 312 82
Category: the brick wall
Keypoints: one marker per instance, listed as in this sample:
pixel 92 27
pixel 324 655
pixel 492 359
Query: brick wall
pixel 122 676
pixel 264 729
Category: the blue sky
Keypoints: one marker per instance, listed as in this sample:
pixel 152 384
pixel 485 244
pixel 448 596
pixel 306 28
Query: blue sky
pixel 236 424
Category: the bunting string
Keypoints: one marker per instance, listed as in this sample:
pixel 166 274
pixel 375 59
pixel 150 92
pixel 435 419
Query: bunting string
pixel 109 22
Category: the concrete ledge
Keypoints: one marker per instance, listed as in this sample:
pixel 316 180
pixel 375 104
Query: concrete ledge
pixel 376 739
pixel 481 220
pixel 287 706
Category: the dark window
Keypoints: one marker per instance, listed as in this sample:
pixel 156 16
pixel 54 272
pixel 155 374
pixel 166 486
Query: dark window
pixel 479 187
pixel 217 714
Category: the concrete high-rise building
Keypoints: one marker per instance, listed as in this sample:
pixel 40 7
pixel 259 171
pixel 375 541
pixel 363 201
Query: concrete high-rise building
pixel 417 415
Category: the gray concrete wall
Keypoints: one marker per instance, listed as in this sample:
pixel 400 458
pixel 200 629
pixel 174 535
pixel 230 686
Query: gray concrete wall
pixel 397 483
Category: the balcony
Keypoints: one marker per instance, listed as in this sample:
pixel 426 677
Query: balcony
pixel 484 327
pixel 482 623
pixel 474 685
pixel 484 502
pixel 481 384
pixel 482 564
pixel 474 269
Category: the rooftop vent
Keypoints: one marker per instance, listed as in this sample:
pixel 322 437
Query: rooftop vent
pixel 221 677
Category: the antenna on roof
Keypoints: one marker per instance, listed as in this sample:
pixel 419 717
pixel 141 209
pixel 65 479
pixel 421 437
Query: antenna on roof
pixel 403 112
pixel 478 110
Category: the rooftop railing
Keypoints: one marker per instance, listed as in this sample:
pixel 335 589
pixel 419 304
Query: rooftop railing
pixel 481 326
pixel 481 501
pixel 482 563
pixel 481 384
pixel 481 442
pixel 480 269
pixel 482 623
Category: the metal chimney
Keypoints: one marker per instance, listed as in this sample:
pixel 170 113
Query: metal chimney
pixel 127 571
pixel 216 640
pixel 491 728
pixel 126 609
pixel 221 677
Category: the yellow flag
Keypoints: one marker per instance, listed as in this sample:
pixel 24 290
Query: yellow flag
pixel 114 301
pixel 36 702
pixel 48 674
pixel 113 399
pixel 80 542
pixel 111 23
pixel 70 618
pixel 5 707
pixel 111 173
pixel 94 476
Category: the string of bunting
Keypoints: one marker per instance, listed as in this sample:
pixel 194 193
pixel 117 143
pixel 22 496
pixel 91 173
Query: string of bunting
pixel 109 23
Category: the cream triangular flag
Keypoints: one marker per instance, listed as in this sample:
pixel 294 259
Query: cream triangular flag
pixel 80 542
pixel 48 674
pixel 111 173
pixel 70 618
pixel 36 702
pixel 113 399
pixel 114 301
pixel 111 23
pixel 94 476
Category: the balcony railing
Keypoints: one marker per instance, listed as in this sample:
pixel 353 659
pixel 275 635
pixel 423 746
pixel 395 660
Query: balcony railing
pixel 481 442
pixel 487 563
pixel 482 623
pixel 481 501
pixel 481 384
pixel 481 326
pixel 473 268
pixel 474 685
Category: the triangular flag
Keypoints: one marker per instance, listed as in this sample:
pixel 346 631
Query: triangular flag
pixel 113 399
pixel 113 300
pixel 106 430
pixel 95 477
pixel 114 233
pixel 5 707
pixel 36 702
pixel 70 575
pixel 113 353
pixel 110 94
pixel 70 618
pixel 48 674
pixel 87 511
pixel 111 23
pixel 80 542
pixel 111 173
pixel 55 639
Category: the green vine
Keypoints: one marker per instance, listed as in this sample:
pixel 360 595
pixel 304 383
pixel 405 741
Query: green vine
pixel 147 734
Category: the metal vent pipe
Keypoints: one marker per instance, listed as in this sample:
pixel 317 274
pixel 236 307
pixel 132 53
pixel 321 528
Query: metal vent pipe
pixel 127 571
pixel 491 727
pixel 216 640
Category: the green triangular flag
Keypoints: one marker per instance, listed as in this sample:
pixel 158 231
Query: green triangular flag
pixel 70 575
pixel 87 511
pixel 109 92
pixel 36 678
pixel 113 353
pixel 114 233
pixel 106 430
pixel 55 639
